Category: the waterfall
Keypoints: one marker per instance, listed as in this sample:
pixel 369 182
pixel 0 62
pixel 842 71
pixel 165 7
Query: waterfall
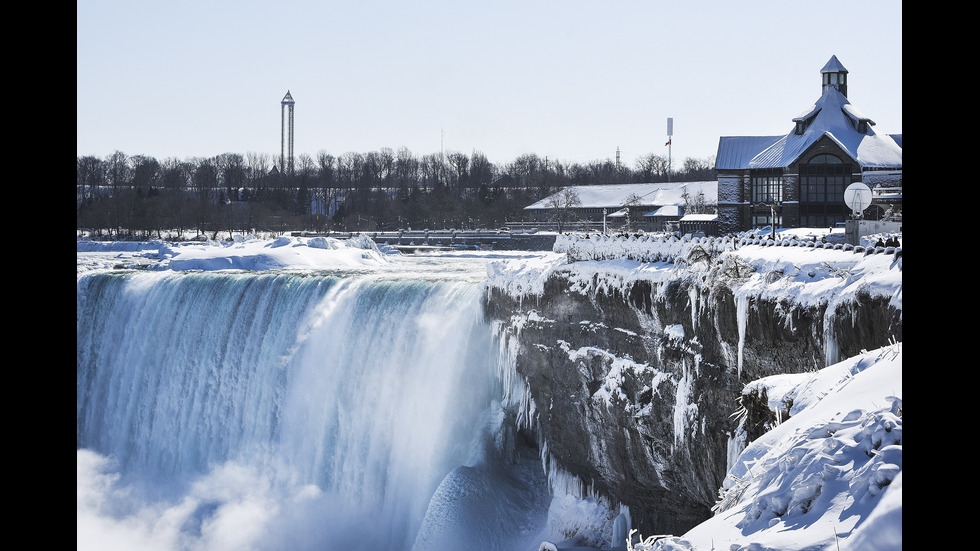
pixel 240 410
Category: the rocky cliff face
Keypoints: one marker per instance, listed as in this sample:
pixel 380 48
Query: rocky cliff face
pixel 637 388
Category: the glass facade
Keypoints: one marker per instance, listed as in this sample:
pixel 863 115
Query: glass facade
pixel 822 184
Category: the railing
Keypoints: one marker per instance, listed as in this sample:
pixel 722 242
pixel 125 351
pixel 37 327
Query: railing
pixel 664 248
pixel 577 225
pixel 482 239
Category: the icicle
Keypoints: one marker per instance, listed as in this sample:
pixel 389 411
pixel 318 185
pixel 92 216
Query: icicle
pixel 680 406
pixel 736 445
pixel 693 294
pixel 742 312
pixel 831 351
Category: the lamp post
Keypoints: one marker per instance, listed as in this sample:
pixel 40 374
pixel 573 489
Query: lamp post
pixel 773 206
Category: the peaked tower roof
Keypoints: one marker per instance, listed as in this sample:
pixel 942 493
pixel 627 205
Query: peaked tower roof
pixel 832 116
pixel 833 66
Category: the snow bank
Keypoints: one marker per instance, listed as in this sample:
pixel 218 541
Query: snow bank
pixel 523 277
pixel 804 270
pixel 815 275
pixel 87 246
pixel 282 253
pixel 829 475
pixel 248 253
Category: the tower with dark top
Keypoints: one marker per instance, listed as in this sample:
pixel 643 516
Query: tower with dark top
pixel 834 75
pixel 286 156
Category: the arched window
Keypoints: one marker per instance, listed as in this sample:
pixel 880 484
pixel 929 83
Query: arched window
pixel 822 183
pixel 825 159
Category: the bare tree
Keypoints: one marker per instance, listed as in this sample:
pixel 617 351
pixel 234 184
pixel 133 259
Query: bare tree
pixel 430 171
pixel 651 168
pixel 328 197
pixel 526 170
pixel 457 170
pixel 258 164
pixel 562 205
pixel 386 166
pixel 176 174
pixel 481 169
pixel 406 168
pixel 697 204
pixel 696 169
pixel 231 168
pixel 604 172
pixel 349 169
pixel 146 171
pixel 91 174
pixel 630 205
pixel 307 166
pixel 123 193
pixel 325 165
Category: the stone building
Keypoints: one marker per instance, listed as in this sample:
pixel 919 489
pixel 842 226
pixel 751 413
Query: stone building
pixel 798 180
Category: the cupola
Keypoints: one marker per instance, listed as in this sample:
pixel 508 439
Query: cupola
pixel 833 75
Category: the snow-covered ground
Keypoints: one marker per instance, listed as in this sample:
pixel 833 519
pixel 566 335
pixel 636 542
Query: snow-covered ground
pixel 828 478
pixel 802 269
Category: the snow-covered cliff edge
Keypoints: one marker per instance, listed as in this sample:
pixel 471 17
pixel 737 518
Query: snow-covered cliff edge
pixel 636 352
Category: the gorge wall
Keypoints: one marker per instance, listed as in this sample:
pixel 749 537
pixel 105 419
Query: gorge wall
pixel 636 382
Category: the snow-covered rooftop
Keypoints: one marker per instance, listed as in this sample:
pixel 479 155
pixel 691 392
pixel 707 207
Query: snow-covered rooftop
pixel 650 194
pixel 667 210
pixel 834 116
pixel 699 217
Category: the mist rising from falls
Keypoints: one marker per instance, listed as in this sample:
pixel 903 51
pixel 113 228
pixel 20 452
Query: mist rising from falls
pixel 274 411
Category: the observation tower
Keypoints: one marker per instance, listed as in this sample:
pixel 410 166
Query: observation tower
pixel 286 155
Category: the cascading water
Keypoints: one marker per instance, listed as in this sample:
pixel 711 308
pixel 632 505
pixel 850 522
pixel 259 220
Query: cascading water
pixel 281 411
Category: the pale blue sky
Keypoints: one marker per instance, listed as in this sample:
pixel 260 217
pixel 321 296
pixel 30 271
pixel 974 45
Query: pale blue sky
pixel 571 80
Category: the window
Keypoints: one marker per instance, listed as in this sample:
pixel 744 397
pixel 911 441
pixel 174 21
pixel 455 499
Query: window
pixel 823 180
pixel 822 184
pixel 767 190
pixel 835 78
pixel 767 186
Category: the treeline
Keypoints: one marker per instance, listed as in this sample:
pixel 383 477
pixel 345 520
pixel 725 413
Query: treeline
pixel 140 197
